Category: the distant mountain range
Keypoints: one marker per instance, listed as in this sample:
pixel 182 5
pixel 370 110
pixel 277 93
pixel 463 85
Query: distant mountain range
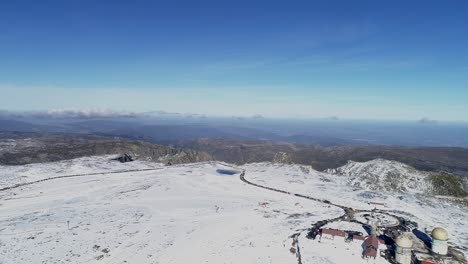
pixel 21 148
pixel 167 129
pixel 174 138
pixel 435 170
pixel 449 159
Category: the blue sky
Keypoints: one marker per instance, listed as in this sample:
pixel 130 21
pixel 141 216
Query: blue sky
pixel 352 59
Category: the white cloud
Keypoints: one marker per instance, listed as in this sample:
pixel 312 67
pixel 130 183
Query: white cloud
pixel 223 101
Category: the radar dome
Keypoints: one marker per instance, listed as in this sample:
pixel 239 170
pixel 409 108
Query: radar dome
pixel 439 234
pixel 404 242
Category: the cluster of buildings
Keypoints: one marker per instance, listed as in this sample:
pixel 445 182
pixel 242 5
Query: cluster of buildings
pixel 370 243
pixel 406 248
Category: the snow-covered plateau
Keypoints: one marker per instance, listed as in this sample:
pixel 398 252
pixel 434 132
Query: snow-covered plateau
pixel 143 212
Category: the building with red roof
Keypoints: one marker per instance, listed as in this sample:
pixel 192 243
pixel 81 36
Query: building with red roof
pixel 333 232
pixel 371 244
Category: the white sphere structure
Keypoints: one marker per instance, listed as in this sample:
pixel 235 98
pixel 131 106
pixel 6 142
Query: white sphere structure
pixel 439 241
pixel 403 250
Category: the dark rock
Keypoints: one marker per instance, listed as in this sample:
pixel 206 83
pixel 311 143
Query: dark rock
pixel 124 158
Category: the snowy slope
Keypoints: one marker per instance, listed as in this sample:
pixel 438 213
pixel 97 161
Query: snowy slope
pixel 179 214
pixel 11 175
pixel 186 214
pixel 384 175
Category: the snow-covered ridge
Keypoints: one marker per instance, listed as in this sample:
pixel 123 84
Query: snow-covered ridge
pixel 384 175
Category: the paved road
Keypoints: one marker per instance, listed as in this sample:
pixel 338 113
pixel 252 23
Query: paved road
pixel 316 226
pixel 345 208
pixel 71 176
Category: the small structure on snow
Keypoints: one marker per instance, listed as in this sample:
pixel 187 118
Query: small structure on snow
pixel 439 241
pixel 331 233
pixel 403 252
pixel 124 158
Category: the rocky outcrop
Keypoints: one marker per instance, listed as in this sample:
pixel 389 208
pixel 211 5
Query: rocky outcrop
pixel 383 175
pixel 392 176
pixel 124 158
pixel 448 185
pixel 282 157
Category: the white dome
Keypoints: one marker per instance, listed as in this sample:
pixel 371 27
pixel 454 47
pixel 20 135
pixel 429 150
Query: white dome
pixel 439 234
pixel 404 242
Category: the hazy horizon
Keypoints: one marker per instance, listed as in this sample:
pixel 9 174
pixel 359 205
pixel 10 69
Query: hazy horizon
pixel 97 113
